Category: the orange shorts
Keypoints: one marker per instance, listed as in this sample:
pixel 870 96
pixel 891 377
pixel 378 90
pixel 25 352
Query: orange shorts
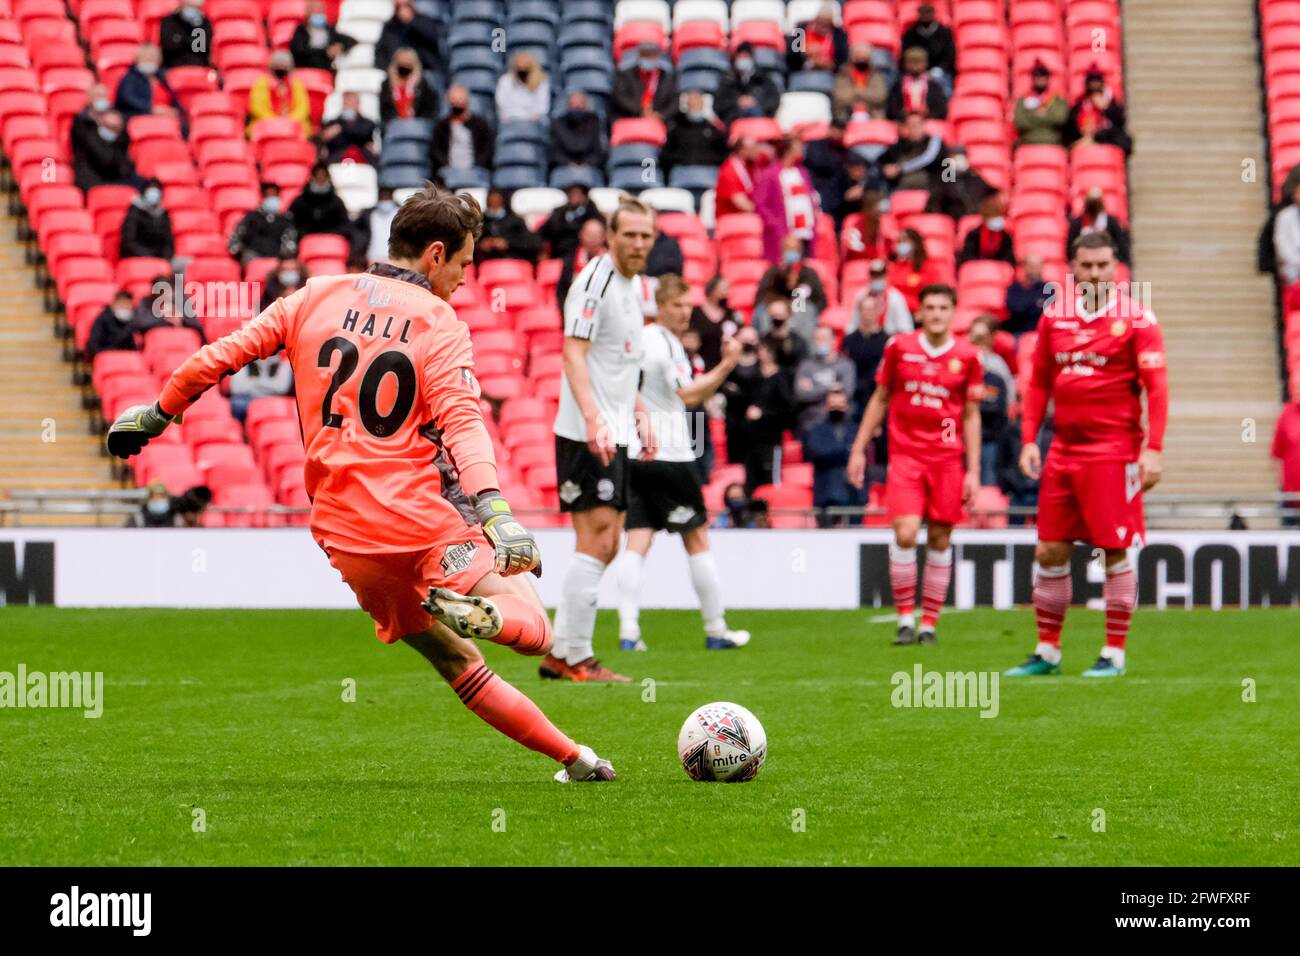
pixel 389 587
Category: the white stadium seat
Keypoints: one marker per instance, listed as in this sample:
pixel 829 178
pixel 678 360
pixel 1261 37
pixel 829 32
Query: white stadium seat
pixel 801 11
pixel 361 80
pixel 357 185
pixel 669 199
pixel 746 11
pixel 606 199
pixel 537 199
pixel 380 11
pixel 632 11
pixel 713 11
pixel 360 57
pixel 800 108
pixel 363 31
pixel 708 208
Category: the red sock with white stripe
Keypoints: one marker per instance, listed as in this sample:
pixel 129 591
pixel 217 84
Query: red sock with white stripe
pixel 1120 594
pixel 902 578
pixel 1053 590
pixel 934 586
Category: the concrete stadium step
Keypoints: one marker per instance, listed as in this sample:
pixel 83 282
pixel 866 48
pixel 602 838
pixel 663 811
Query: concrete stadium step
pixel 1194 112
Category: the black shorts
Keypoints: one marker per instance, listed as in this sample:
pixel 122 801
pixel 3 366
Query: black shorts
pixel 665 495
pixel 584 483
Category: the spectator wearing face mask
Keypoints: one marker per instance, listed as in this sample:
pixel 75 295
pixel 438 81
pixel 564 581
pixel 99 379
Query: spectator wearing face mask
pixel 318 207
pixel 745 90
pixel 960 190
pixel 864 343
pixel 695 138
pixel 158 509
pixel 560 230
pixel 369 234
pixel 278 94
pixel 577 134
pixel 1041 116
pixel 461 139
pixel 736 511
pixel 288 275
pixel 100 153
pixel 1026 297
pixel 261 378
pixel 185 36
pixel 787 347
pixel 793 281
pixel 406 92
pixel 1097 117
pixel 409 30
pixel 1095 218
pixel 916 160
pixel 143 90
pixel 264 232
pixel 766 418
pixel 647 88
pixel 989 241
pixel 827 445
pixel 860 89
pixel 591 243
pixel 523 91
pixel 817 44
pixel 916 90
pixel 894 315
pixel 505 235
pixel 823 370
pixel 147 228
pixel 112 331
pixel 912 269
pixel 934 38
pixel 348 136
pixel 315 43
pixel 160 309
pixel 714 320
pixel 86 120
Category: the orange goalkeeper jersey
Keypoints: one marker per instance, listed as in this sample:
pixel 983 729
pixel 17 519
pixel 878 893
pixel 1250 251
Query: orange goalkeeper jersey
pixel 389 406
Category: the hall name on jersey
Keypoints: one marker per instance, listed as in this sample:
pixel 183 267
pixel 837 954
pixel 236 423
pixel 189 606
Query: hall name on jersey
pixel 1080 363
pixel 352 317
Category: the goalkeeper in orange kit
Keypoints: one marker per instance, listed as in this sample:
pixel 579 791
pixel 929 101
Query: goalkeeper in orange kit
pixel 400 468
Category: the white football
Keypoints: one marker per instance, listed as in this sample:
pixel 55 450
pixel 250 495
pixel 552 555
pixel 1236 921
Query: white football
pixel 722 741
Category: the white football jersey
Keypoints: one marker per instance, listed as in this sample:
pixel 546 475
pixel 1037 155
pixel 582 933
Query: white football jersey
pixel 604 307
pixel 665 368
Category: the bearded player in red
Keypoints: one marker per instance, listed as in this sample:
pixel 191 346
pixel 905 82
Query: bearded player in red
pixel 930 383
pixel 1097 350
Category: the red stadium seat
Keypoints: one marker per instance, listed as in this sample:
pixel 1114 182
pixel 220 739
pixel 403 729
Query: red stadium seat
pixel 638 130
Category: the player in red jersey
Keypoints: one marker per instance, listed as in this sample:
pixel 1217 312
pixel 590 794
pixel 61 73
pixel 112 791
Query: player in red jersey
pixel 1097 351
pixel 930 384
pixel 400 468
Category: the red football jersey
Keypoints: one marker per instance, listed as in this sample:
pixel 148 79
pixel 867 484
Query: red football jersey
pixel 1096 366
pixel 928 392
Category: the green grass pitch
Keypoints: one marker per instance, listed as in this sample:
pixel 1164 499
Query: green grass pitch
pixel 240 713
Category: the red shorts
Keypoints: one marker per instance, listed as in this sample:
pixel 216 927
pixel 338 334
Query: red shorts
pixel 389 587
pixel 931 489
pixel 1099 502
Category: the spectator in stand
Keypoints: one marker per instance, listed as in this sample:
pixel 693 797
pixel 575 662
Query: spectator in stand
pixel 560 230
pixel 1041 116
pixel 287 276
pixel 713 320
pixel 916 160
pixel 817 44
pixel 1286 240
pixel 829 162
pixel 1021 490
pixel 996 400
pixel 316 44
pixel 185 36
pixel 766 418
pixel 523 91
pixel 795 282
pixel 406 92
pixel 264 232
pixel 745 90
pixel 859 87
pixel 505 235
pixel 578 134
pixel 411 31
pixel 591 243
pixel 646 88
pixel 147 228
pixel 788 348
pixel 695 137
pixel 1094 218
pixel 1097 117
pixel 143 91
pixel 318 207
pixel 739 390
pixel 826 446
pixel 864 343
pixel 735 190
pixel 159 309
pixel 888 306
pixel 736 511
pixel 785 200
pixel 1026 297
pixel 278 94
pixel 461 139
pixel 862 235
pixel 1286 449
pixel 348 136
pixel 261 378
pixel 112 331
pixel 990 240
pixel 960 190
pixel 158 509
pixel 665 257
pixel 369 233
pixel 916 90
pixel 935 39
pixel 87 118
pixel 100 153
pixel 912 269
pixel 826 369
pixel 189 507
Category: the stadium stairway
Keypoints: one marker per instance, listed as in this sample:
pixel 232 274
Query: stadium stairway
pixel 1194 111
pixel 38 399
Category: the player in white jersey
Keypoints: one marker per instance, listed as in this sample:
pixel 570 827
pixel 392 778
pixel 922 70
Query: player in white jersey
pixel 600 414
pixel 664 494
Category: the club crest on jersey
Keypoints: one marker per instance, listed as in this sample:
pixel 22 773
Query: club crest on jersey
pixel 589 308
pixel 569 492
pixel 1117 327
pixel 458 557
pixel 954 365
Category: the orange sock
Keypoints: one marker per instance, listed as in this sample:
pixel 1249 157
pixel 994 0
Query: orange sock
pixel 524 627
pixel 512 713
